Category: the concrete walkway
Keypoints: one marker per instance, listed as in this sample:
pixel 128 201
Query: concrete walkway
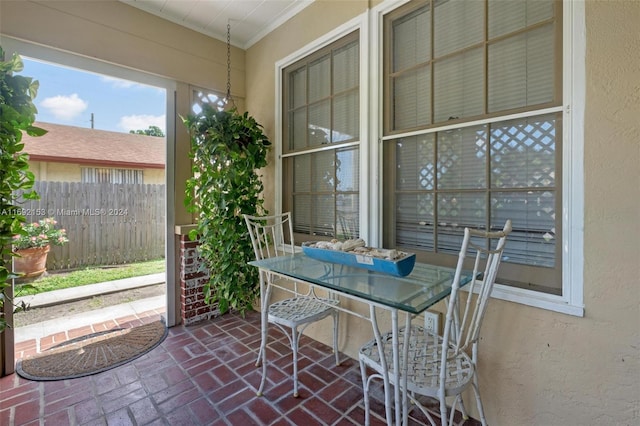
pixel 46 328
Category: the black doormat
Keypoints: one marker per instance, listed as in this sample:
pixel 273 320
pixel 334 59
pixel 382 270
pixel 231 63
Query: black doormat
pixel 93 353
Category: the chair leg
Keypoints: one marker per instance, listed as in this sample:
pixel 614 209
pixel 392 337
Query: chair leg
pixel 264 309
pixel 336 320
pixel 476 391
pixel 259 359
pixel 443 411
pixel 262 353
pixel 294 349
pixel 365 392
pixel 463 409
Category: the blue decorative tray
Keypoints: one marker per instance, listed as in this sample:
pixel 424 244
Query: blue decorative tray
pixel 400 267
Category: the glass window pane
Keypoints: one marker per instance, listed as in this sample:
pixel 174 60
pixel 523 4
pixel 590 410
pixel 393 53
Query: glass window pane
pixel 523 153
pixel 509 16
pixel 415 163
pixel 346 117
pixel 298 88
pixel 533 215
pixel 348 216
pixel 455 212
pixel 346 68
pixel 478 59
pixel 459 86
pixel 297 129
pixel 302 213
pixel 462 158
pixel 320 123
pixel 415 221
pixel 322 171
pixel 320 79
pixel 412 39
pixel 458 24
pixel 324 215
pixel 521 70
pixel 411 99
pixel 301 177
pixel 348 169
pixel 323 103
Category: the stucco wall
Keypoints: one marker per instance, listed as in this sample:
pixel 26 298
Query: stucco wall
pixel 60 172
pixel 67 172
pixel 541 367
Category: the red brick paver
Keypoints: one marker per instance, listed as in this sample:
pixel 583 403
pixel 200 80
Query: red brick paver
pixel 203 374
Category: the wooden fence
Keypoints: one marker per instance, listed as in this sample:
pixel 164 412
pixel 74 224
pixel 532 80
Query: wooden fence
pixel 107 224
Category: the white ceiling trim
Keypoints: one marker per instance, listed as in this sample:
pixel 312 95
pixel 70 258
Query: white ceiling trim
pixel 247 33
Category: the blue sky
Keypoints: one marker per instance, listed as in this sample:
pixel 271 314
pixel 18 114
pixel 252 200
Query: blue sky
pixel 68 96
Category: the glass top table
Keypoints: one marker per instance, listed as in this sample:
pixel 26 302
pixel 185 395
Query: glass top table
pixel 424 287
pixel 413 294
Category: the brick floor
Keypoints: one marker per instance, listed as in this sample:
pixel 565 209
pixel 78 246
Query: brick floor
pixel 202 374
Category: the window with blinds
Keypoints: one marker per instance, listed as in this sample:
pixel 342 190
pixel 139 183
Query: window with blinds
pixel 321 132
pixel 106 175
pixel 473 131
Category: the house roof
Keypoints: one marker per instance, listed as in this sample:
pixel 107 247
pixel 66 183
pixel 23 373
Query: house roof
pixel 69 144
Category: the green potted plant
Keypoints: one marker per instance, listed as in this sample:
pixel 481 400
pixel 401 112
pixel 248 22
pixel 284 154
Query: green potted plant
pixel 17 114
pixel 227 149
pixel 33 245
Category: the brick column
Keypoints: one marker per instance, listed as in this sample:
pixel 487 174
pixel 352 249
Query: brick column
pixel 192 280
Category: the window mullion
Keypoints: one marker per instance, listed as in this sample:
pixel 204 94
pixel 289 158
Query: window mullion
pixel 436 192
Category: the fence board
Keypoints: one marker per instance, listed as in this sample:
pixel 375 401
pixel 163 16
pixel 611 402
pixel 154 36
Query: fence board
pixel 107 224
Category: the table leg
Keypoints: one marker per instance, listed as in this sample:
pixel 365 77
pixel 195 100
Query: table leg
pixel 405 369
pixel 264 311
pixel 395 348
pixel 383 363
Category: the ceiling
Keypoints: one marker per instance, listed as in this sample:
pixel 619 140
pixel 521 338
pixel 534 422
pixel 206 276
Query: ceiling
pixel 250 20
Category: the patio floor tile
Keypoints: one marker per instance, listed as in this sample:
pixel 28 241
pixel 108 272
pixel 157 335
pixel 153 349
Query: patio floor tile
pixel 203 374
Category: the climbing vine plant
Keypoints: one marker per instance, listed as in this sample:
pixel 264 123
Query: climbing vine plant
pixel 227 149
pixel 17 114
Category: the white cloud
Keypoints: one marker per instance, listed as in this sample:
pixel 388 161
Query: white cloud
pixel 65 107
pixel 142 122
pixel 118 83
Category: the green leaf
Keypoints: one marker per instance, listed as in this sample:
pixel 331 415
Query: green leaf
pixel 17 114
pixel 226 146
pixel 36 131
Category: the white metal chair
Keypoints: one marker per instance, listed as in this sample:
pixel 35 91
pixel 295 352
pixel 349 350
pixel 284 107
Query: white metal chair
pixel 297 312
pixel 440 366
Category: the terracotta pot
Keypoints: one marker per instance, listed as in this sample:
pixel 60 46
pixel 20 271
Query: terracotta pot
pixel 32 261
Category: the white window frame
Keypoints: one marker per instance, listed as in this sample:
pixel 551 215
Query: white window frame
pixel 370 24
pixel 574 43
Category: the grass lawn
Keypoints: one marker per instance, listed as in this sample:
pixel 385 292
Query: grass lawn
pixel 58 281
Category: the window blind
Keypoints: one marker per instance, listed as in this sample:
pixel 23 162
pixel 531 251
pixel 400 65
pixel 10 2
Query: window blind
pixel 322 107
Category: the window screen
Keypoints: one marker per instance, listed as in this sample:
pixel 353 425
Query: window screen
pixel 469 136
pixel 321 157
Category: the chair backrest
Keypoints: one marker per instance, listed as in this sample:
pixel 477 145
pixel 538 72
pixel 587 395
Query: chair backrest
pixel 268 234
pixel 349 224
pixel 462 328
